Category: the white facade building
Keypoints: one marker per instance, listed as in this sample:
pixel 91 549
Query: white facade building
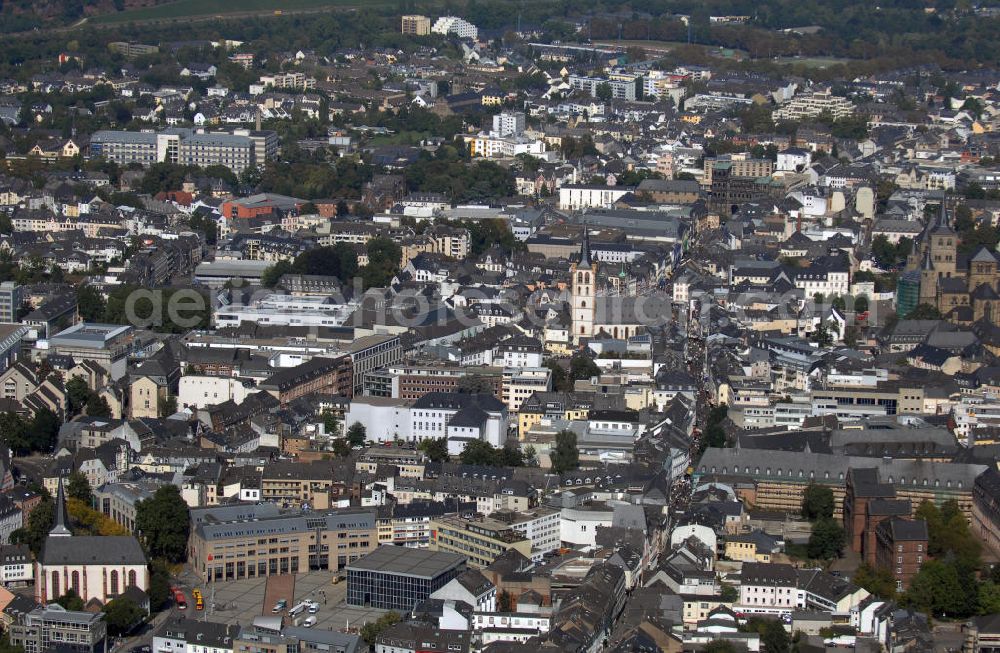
pixel 455 26
pixel 199 391
pixel 573 197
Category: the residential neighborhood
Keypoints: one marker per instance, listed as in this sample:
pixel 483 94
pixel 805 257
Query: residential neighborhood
pixel 482 328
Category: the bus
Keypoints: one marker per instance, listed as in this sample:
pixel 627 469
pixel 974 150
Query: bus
pixel 179 599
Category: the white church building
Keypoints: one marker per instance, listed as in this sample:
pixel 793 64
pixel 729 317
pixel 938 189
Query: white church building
pixel 95 567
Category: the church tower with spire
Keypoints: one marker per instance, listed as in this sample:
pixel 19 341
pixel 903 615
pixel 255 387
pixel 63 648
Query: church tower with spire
pixel 583 286
pixel 59 529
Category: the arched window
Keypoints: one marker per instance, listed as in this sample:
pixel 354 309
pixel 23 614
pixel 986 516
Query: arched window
pixel 581 328
pixel 114 582
pixel 55 585
pixel 583 304
pixel 131 578
pixel 75 582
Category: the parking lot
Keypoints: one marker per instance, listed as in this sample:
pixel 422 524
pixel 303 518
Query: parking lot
pixel 238 602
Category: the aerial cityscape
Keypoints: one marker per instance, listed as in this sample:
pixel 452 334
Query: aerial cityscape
pixel 493 326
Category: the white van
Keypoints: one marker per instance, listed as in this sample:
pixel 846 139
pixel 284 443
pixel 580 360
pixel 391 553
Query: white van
pixel 309 622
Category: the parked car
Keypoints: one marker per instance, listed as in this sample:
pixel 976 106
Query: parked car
pixel 309 622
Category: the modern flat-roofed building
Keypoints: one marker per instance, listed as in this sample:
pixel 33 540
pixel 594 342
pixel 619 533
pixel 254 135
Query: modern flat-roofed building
pixel 252 541
pixel 203 150
pixel 53 627
pixel 106 344
pixel 11 300
pixel 398 578
pixel 481 541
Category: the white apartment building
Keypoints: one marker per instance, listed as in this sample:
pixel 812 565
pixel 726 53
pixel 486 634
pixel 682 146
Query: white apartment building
pixel 16 565
pixel 623 87
pixel 493 146
pixel 509 123
pixel 578 526
pixel 540 525
pixel 519 383
pixel 455 26
pixel 770 589
pixel 198 391
pixel 811 105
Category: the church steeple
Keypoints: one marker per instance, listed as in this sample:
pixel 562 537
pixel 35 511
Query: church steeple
pixel 60 529
pixel 585 251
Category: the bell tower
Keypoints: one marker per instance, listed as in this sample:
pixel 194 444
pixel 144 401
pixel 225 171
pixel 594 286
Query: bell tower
pixel 584 292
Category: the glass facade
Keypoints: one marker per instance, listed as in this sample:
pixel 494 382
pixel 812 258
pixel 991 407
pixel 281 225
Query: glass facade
pixel 388 591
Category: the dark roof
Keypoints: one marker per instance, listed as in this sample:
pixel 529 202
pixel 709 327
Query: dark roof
pixel 93 549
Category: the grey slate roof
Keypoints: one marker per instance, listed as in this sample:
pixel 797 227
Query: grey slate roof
pixel 93 549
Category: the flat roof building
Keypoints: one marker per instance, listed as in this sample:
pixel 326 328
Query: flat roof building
pixel 398 578
pixel 241 541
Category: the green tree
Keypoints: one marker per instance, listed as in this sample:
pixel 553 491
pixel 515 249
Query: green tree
pixel 272 274
pixel 827 539
pixel 436 449
pixel 97 406
pixel 729 594
pixel 774 637
pixel 565 456
pixel 331 425
pixel 341 448
pixel 719 646
pixel 924 312
pixel 938 589
pixel 164 523
pixel 167 406
pixel 817 502
pixel 988 598
pixel 90 303
pixel 339 261
pixel 560 382
pixel 159 586
pixel 582 367
pixel 478 452
pixel 71 600
pixel 603 91
pixel 122 615
pixel 78 487
pixel 384 257
pixel 505 602
pixel 77 393
pixel 37 529
pixel 357 434
pixel 371 630
pixel 878 581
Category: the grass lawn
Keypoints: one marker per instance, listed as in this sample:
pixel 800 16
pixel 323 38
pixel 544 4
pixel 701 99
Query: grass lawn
pixel 204 8
pixel 811 62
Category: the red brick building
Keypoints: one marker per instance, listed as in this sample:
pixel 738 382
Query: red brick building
pixel 901 547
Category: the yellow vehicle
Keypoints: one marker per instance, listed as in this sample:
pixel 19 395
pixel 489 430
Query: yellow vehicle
pixel 196 593
pixel 199 603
